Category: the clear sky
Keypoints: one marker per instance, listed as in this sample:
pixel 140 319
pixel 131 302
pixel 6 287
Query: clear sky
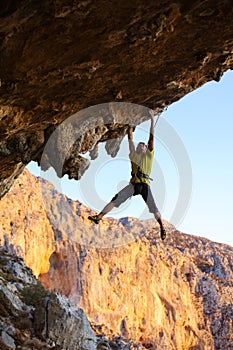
pixel 202 124
pixel 204 121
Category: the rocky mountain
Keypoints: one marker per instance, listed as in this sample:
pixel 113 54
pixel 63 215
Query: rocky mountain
pixel 32 317
pixel 60 57
pixel 175 294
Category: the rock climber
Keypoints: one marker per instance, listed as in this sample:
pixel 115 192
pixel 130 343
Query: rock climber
pixel 141 165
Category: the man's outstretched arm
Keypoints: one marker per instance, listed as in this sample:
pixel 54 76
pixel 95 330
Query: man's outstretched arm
pixel 130 139
pixel 151 137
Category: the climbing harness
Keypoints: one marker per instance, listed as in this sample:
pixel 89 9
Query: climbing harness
pixel 140 175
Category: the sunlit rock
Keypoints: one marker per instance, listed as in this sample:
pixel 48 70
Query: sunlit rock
pixel 176 293
pixel 63 57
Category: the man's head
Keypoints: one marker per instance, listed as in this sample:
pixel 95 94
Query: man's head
pixel 141 148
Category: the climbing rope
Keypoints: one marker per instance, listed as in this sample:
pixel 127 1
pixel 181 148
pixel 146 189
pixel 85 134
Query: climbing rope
pixel 157 119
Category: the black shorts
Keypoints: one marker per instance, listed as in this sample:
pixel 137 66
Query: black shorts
pixel 133 190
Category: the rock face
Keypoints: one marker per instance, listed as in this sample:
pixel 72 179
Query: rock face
pixel 33 318
pixel 27 221
pixel 64 56
pixel 175 294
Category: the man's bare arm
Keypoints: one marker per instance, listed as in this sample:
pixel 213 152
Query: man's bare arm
pixel 151 137
pixel 130 139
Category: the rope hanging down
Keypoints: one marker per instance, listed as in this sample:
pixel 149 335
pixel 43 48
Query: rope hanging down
pixel 157 119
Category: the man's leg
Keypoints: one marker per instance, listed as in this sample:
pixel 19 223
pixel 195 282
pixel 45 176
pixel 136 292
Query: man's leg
pixel 148 198
pixel 116 201
pixel 162 229
pixel 106 209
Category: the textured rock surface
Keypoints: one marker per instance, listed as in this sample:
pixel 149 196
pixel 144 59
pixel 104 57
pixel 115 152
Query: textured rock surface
pixel 175 294
pixel 33 318
pixel 63 56
pixel 28 223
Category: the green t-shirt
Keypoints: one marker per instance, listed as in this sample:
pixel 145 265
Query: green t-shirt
pixel 144 161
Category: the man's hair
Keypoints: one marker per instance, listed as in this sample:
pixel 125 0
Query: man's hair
pixel 141 142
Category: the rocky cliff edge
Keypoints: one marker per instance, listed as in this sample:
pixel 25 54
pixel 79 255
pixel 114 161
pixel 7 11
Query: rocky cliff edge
pixel 175 294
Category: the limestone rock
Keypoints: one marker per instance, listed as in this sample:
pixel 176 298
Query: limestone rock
pixel 64 324
pixel 33 318
pixel 175 294
pixel 62 57
pixel 7 340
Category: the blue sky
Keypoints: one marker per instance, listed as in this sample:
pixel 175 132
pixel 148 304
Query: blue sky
pixel 203 122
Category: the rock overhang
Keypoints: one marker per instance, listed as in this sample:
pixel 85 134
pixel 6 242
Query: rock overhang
pixel 62 57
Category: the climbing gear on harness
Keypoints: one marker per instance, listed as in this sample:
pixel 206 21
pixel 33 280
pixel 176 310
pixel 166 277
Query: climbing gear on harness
pixel 139 175
pixel 94 218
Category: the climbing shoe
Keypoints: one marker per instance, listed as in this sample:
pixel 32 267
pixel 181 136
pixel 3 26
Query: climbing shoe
pixel 163 234
pixel 94 218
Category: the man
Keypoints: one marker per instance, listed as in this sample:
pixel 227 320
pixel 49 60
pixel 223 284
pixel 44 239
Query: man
pixel 141 165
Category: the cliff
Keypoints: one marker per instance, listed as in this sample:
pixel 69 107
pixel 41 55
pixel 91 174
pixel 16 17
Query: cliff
pixel 64 56
pixel 33 318
pixel 175 294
